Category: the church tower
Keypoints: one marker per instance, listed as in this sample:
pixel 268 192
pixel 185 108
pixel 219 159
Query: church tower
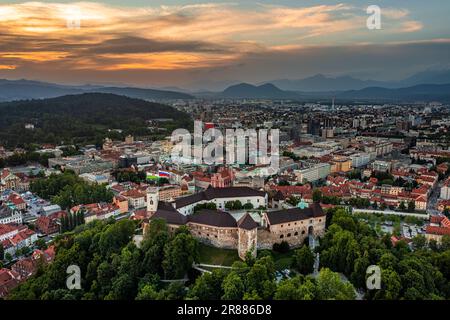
pixel 152 200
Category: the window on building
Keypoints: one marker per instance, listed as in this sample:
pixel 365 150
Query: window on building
pixel 303 232
pixel 296 233
pixel 282 236
pixel 288 235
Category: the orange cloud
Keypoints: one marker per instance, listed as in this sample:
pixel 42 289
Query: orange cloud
pixel 97 36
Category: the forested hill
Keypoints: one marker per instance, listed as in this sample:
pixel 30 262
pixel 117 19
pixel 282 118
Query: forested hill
pixel 84 118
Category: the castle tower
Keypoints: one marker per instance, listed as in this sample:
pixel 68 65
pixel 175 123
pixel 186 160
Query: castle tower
pixel 247 236
pixel 152 200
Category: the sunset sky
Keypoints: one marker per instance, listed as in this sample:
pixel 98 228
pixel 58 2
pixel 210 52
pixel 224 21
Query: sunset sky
pixel 200 44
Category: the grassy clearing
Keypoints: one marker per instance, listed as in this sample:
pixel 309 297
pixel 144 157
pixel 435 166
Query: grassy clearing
pixel 212 255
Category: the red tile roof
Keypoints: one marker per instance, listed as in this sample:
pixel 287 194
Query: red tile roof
pixel 438 230
pixel 133 193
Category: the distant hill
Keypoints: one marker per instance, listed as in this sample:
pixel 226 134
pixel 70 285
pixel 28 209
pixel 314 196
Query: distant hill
pixel 146 94
pixel 423 92
pixel 83 118
pixel 25 89
pixel 11 90
pixel 265 91
pixel 319 82
pixel 427 77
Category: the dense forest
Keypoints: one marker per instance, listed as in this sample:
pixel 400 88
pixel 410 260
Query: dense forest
pixel 350 246
pixel 68 190
pixel 82 119
pixel 113 267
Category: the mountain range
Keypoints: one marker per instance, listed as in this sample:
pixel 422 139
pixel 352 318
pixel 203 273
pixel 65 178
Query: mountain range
pixel 26 89
pixel 265 91
pixel 321 82
pixel 424 92
pixel 429 85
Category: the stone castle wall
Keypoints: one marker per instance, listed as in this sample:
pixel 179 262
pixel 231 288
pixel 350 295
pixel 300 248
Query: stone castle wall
pixel 226 238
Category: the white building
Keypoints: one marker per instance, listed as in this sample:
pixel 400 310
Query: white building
pixel 313 173
pixel 136 198
pixel 220 196
pixel 381 166
pixel 10 215
pixel 327 145
pixel 95 178
pixel 310 152
pixel 360 159
pixel 16 237
pixel 445 190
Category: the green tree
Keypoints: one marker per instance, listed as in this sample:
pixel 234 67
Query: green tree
pixel 208 286
pixel 148 292
pixel 419 242
pixel 260 278
pixel 248 206
pixel 179 254
pixel 303 260
pixel 233 287
pixel 331 286
pixel 8 257
pixel 445 243
pixel 297 288
pixel 317 195
pixel 40 244
pixel 391 285
pixel 2 252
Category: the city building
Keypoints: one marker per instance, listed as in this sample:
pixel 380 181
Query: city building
pixel 9 214
pixel 445 190
pixel 313 172
pixel 439 226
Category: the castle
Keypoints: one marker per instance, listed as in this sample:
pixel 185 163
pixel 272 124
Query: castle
pixel 245 232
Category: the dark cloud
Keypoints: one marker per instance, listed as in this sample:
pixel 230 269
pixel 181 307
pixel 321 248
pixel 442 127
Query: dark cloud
pixel 130 44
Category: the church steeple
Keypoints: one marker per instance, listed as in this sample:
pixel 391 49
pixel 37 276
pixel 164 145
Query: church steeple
pixel 152 199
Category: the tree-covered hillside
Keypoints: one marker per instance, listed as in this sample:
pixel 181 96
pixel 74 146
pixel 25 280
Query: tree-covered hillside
pixel 82 119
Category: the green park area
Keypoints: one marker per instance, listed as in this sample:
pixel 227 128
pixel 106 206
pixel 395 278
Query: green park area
pixel 212 255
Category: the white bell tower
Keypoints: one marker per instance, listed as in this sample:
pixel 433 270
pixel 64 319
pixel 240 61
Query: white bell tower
pixel 152 199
